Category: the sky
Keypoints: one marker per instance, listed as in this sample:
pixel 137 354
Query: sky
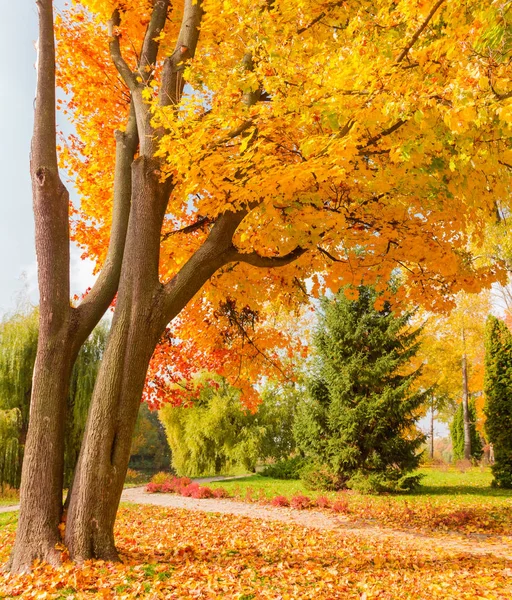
pixel 18 271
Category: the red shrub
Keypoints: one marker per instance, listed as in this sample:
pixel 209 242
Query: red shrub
pixel 340 505
pixel 220 493
pixel 176 483
pixel 202 492
pixel 280 501
pixel 167 487
pixel 322 502
pixel 153 487
pixel 188 490
pixel 300 502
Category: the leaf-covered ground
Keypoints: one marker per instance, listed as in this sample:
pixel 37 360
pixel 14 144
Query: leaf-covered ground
pixel 178 554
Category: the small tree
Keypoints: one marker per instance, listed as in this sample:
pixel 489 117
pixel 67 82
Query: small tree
pixel 457 433
pixel 359 420
pixel 498 393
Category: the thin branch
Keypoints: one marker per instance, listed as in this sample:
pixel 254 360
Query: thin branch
pixel 319 17
pixel 151 43
pixel 415 37
pixel 330 256
pixel 115 52
pixel 373 140
pixel 199 224
pixel 256 260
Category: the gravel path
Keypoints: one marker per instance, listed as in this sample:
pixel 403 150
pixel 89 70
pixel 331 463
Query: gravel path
pixel 451 542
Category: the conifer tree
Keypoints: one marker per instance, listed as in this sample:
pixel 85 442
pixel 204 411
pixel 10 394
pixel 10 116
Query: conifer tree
pixel 359 420
pixel 457 433
pixel 498 393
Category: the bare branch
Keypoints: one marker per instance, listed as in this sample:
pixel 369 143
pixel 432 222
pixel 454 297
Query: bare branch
pixel 115 52
pixel 151 45
pixel 415 37
pixel 256 260
pixel 172 75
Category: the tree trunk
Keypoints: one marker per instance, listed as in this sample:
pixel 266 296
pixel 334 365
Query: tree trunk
pixel 42 473
pixel 465 409
pixel 136 328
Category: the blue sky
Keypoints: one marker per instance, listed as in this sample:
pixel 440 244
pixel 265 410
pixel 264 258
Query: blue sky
pixel 18 33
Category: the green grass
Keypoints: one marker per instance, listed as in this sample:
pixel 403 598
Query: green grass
pixel 8 519
pixel 447 499
pixel 436 482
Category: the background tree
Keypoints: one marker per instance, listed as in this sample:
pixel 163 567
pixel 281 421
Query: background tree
pixel 150 451
pixel 360 418
pixel 18 346
pixel 498 393
pixel 377 164
pixel 452 354
pixel 218 435
pixel 457 433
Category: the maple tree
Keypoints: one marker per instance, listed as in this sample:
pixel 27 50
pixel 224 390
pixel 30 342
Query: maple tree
pixel 338 141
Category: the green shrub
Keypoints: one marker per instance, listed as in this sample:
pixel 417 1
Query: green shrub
pixel 288 468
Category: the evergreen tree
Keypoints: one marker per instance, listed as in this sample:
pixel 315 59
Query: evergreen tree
pixel 498 393
pixel 358 423
pixel 457 433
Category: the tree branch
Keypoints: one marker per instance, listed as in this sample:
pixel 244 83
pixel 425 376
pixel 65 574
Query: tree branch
pixel 330 256
pixel 319 18
pixel 150 46
pixel 115 52
pixel 256 260
pixel 96 302
pixel 199 224
pixel 415 37
pixel 50 197
pixel 172 78
pixel 373 140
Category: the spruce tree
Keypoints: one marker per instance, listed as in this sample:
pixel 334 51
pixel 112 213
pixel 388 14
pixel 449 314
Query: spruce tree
pixel 457 433
pixel 498 393
pixel 357 428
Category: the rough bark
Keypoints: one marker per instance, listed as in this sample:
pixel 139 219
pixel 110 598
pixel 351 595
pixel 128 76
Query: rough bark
pixel 62 329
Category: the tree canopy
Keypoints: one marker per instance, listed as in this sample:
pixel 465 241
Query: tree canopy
pixel 365 137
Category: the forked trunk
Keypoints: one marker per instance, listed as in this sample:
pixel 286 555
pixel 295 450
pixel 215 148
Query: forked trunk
pixel 137 325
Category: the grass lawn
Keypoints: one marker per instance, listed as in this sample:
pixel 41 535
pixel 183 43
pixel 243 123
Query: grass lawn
pixel 447 499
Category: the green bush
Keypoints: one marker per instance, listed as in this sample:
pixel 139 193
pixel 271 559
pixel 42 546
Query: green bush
pixel 288 468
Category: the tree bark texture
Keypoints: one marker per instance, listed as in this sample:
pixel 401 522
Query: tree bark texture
pixel 62 328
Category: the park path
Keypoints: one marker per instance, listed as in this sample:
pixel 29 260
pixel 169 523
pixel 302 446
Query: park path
pixel 480 545
pixel 452 542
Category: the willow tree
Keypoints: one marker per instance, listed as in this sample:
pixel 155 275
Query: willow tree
pixel 18 346
pixel 338 141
